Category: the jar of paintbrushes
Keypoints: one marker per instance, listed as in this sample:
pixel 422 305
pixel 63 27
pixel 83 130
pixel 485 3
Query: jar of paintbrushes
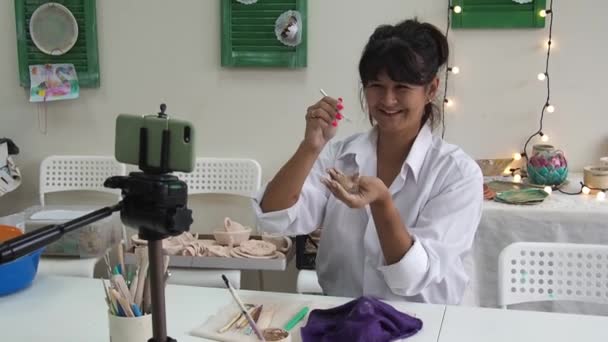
pixel 127 294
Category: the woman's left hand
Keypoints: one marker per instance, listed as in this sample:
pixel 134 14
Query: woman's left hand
pixel 356 191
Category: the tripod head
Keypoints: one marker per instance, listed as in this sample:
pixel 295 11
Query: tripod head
pixel 156 204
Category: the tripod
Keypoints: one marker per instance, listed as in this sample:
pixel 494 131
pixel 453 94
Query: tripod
pixel 154 202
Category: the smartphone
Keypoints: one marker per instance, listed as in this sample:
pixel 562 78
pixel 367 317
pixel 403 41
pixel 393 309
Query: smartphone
pixel 181 141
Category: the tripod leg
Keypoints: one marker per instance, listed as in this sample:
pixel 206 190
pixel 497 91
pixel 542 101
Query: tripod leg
pixel 157 289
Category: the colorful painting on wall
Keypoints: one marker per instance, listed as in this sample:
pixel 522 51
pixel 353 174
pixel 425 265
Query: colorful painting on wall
pixel 52 82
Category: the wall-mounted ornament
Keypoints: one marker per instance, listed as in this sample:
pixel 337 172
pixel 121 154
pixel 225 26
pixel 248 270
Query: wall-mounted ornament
pixel 247 2
pixel 496 14
pixel 288 28
pixel 264 34
pixel 58 32
pixel 53 28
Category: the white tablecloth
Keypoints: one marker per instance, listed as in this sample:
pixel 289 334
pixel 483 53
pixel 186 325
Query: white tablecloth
pixel 560 218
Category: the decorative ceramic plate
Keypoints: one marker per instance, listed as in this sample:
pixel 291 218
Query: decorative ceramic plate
pixel 500 186
pixel 236 252
pixel 525 196
pixel 53 28
pixel 257 248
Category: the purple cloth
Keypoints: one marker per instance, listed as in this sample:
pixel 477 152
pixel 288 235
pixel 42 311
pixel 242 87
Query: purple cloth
pixel 363 319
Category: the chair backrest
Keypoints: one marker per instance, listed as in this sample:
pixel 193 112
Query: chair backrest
pixel 72 173
pixel 539 271
pixel 241 177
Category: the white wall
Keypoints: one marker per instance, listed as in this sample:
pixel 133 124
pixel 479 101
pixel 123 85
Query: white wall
pixel 155 51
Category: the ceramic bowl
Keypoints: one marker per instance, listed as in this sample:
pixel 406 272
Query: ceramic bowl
pixel 223 237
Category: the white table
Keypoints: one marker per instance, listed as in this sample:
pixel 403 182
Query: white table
pixel 560 218
pixel 496 325
pixel 73 309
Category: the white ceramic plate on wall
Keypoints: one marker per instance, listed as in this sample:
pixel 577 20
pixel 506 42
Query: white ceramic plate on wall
pixel 53 28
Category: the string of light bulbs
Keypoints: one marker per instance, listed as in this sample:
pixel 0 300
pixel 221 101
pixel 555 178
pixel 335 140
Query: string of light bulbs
pixel 543 76
pixel 450 69
pixel 516 173
pixel 584 188
pixel 549 108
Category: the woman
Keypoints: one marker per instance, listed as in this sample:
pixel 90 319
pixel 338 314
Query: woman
pixel 398 206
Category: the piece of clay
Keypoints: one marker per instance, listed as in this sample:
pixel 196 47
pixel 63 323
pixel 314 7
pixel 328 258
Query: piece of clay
pixel 349 183
pixel 218 251
pixel 257 248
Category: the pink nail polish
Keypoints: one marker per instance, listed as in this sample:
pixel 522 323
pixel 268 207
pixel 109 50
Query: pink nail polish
pixel 339 116
pixel 340 99
pixel 340 106
pixel 334 123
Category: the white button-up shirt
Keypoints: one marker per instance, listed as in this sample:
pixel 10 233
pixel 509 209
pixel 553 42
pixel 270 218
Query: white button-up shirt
pixel 439 195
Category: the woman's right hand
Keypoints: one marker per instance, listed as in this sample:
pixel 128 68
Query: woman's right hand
pixel 321 122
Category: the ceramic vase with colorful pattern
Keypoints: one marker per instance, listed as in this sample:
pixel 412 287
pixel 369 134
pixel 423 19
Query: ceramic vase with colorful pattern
pixel 547 166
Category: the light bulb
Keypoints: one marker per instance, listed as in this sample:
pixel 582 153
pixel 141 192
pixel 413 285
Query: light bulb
pixel 455 70
pixel 517 178
pixel 542 76
pixel 601 196
pixel 449 102
pixel 548 190
pixel 586 190
pixel 517 156
pixel 550 108
pixel 457 9
pixel 544 138
pixel 542 13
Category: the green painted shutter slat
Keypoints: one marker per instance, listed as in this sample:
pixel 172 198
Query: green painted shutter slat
pixel 498 14
pixel 248 38
pixel 84 54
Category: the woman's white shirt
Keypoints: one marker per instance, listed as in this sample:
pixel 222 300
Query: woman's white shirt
pixel 439 195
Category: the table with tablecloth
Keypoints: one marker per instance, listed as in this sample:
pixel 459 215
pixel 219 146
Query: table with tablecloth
pixel 559 218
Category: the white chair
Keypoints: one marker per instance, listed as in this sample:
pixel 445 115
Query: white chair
pixel 535 271
pixel 308 282
pixel 241 177
pixel 75 173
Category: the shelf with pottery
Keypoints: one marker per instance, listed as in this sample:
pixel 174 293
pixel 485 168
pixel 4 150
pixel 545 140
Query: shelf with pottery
pixel 232 247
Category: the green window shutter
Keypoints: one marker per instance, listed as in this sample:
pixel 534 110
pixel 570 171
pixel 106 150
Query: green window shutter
pixel 498 14
pixel 84 54
pixel 248 38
